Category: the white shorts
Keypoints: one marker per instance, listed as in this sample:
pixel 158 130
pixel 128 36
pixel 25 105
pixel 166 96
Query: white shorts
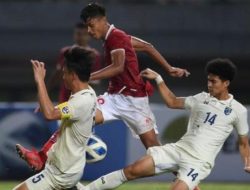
pixel 50 179
pixel 134 111
pixel 170 158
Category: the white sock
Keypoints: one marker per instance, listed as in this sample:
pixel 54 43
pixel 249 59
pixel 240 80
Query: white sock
pixel 109 181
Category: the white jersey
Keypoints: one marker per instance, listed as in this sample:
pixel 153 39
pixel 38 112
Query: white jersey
pixel 68 153
pixel 211 121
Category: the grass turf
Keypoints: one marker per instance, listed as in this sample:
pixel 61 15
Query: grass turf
pixel 8 185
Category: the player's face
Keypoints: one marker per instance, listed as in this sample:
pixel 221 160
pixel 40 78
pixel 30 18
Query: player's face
pixel 67 78
pixel 81 36
pixel 96 27
pixel 216 86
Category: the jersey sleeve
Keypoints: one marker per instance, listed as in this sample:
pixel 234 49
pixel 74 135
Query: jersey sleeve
pixel 191 100
pixel 66 110
pixel 119 41
pixel 241 124
pixel 70 110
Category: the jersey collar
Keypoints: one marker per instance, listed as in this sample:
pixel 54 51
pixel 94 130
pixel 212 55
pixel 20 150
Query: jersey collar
pixel 231 97
pixel 111 27
pixel 81 91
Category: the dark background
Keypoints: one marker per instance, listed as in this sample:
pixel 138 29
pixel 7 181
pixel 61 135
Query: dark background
pixel 187 32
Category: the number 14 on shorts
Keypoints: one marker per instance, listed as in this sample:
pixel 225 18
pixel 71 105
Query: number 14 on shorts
pixel 192 174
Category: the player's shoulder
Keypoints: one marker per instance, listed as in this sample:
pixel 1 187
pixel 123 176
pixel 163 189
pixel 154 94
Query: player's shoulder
pixel 238 107
pixel 117 34
pixel 201 96
pixel 83 97
pixel 64 49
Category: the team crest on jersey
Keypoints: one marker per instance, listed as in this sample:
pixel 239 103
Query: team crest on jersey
pixel 65 110
pixel 227 110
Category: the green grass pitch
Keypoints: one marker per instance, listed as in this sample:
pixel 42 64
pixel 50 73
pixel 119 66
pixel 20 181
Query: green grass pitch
pixel 4 185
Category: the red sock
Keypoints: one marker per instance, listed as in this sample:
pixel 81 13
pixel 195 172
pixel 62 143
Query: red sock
pixel 43 152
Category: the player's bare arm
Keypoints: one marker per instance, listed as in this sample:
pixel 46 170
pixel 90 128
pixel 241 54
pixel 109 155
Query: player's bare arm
pixel 117 66
pixel 245 152
pixel 141 45
pixel 168 96
pixel 46 106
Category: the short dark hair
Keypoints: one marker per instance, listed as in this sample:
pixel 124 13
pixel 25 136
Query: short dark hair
pixel 92 10
pixel 224 68
pixel 80 25
pixel 79 60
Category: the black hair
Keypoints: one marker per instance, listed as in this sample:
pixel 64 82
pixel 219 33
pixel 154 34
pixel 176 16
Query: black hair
pixel 79 60
pixel 224 68
pixel 92 10
pixel 80 25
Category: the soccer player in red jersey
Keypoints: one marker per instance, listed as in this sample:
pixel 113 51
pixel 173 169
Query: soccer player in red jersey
pixel 127 94
pixel 81 39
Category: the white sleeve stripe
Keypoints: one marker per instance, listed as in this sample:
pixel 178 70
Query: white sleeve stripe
pixel 119 49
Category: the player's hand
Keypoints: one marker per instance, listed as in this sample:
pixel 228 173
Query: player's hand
pixel 39 70
pixel 178 72
pixel 149 74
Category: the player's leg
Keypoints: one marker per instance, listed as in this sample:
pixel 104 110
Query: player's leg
pixel 98 117
pixel 149 139
pixel 21 186
pixel 105 109
pixel 141 168
pixel 179 185
pixel 140 119
pixel 192 170
pixel 36 160
pixel 39 181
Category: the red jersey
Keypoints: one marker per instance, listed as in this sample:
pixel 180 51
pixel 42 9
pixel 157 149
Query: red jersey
pixel 129 82
pixel 64 93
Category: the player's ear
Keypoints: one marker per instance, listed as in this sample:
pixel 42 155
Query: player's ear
pixel 74 76
pixel 227 83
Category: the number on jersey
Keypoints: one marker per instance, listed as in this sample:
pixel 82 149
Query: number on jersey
pixel 192 174
pixel 210 118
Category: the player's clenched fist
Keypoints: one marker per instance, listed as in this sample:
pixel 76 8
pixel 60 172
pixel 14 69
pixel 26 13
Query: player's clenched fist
pixel 39 70
pixel 149 74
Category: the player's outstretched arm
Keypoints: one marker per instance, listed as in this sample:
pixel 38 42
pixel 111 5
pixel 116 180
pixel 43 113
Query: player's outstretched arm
pixel 168 96
pixel 117 66
pixel 141 45
pixel 245 152
pixel 46 106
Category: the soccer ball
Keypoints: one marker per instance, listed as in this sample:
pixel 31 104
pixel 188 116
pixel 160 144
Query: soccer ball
pixel 96 149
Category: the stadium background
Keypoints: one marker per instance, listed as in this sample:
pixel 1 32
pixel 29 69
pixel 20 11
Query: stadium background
pixel 187 32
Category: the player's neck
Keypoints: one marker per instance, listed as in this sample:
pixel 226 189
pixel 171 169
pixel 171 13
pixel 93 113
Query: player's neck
pixel 223 96
pixel 106 29
pixel 79 86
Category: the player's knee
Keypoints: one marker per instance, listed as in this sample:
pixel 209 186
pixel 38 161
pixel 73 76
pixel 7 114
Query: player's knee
pixel 151 142
pixel 99 117
pixel 179 185
pixel 21 186
pixel 149 139
pixel 132 172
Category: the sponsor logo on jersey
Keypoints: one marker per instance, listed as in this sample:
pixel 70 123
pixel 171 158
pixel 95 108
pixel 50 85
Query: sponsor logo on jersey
pixel 227 110
pixel 65 110
pixel 101 101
